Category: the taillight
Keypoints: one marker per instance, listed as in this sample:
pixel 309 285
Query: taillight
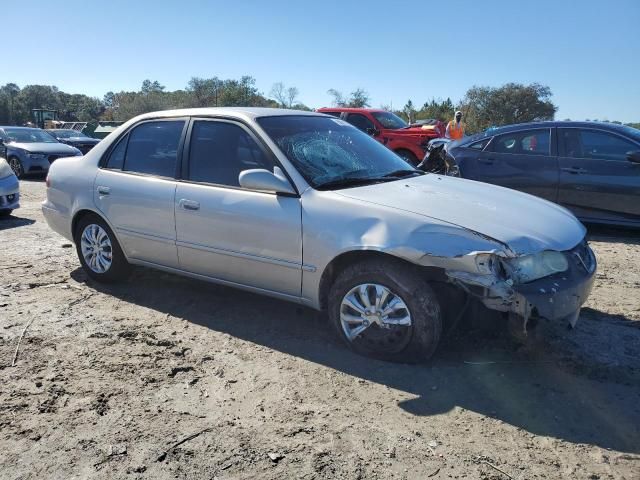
pixel 48 181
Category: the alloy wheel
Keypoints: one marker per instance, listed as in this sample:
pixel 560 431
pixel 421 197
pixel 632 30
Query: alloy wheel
pixel 16 166
pixel 374 315
pixel 95 245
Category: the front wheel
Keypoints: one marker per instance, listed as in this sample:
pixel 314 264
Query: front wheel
pixel 383 309
pixel 98 250
pixel 16 166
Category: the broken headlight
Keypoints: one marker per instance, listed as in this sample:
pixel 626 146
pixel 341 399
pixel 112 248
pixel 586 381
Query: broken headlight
pixel 533 267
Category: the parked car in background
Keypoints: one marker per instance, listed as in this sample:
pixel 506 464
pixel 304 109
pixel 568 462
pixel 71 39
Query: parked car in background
pixel 9 189
pixel 77 139
pixel 305 207
pixel 32 150
pixel 410 142
pixel 591 168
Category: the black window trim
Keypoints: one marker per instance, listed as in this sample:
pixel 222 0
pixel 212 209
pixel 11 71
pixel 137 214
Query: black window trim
pixel 563 151
pixel 519 131
pixel 102 164
pixel 184 166
pixel 487 139
pixel 359 114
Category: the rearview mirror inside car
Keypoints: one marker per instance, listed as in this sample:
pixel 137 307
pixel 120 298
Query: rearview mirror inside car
pixel 634 156
pixel 261 179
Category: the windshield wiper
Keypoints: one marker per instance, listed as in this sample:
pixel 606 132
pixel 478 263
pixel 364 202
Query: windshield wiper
pixel 348 182
pixel 402 173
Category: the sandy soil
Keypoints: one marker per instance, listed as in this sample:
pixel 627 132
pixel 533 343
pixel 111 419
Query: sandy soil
pixel 165 377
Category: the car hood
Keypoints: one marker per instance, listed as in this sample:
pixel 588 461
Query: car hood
pixel 414 131
pixel 49 148
pixel 522 222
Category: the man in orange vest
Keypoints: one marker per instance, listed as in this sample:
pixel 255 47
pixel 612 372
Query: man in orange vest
pixel 455 128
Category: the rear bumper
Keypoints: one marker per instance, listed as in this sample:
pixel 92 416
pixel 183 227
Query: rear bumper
pixel 57 221
pixel 9 193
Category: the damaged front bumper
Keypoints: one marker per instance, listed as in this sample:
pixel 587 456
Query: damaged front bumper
pixel 557 297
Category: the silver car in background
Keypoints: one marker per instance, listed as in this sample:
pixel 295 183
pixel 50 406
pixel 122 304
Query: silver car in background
pixel 304 207
pixel 9 189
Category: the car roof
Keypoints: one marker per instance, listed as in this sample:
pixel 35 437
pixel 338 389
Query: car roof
pixel 351 109
pixel 551 124
pixel 20 128
pixel 245 113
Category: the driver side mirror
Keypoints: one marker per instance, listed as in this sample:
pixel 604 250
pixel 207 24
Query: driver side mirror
pixel 261 179
pixel 634 156
pixel 374 132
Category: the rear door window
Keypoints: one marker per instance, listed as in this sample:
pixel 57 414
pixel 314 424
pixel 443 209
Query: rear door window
pixel 596 145
pixel 153 148
pixel 530 142
pixel 116 157
pixel 360 121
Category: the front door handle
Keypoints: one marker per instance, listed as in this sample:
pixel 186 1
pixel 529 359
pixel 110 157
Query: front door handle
pixel 189 204
pixel 573 170
pixel 103 190
pixel 486 161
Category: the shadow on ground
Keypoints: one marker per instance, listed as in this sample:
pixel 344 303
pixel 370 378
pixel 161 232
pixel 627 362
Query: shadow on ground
pixel 12 221
pixel 486 375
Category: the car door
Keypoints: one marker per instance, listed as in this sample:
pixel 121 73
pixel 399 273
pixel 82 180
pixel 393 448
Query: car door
pixel 524 160
pixel 597 180
pixel 363 123
pixel 229 233
pixel 135 190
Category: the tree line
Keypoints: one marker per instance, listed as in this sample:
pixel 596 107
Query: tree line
pixel 482 106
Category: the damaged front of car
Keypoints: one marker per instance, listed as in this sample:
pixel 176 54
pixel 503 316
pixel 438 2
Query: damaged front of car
pixel 513 252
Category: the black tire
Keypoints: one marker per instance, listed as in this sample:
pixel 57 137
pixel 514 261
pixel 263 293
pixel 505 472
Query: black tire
pixel 422 337
pixel 408 156
pixel 16 166
pixel 119 268
pixel 5 213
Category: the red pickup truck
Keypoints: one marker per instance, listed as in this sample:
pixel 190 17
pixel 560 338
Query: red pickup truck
pixel 408 141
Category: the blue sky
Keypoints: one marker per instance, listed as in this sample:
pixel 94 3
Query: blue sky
pixel 588 52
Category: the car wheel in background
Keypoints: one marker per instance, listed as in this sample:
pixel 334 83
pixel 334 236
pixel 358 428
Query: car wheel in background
pixel 408 156
pixel 98 250
pixel 382 309
pixel 16 166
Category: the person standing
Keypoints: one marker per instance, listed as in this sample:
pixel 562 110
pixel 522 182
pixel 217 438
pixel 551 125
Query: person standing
pixel 455 128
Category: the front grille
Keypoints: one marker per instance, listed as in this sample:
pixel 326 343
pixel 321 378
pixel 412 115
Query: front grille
pixel 583 256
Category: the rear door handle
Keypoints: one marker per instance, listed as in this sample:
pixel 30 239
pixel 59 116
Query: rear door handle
pixel 573 170
pixel 189 204
pixel 103 190
pixel 486 161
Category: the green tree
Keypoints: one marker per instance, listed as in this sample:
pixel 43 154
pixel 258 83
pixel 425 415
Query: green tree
pixel 484 107
pixel 338 98
pixel 359 99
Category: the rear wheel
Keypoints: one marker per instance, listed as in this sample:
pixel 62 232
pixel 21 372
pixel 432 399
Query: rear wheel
pixel 16 166
pixel 98 250
pixel 382 309
pixel 408 156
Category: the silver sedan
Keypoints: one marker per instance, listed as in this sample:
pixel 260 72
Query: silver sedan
pixel 305 207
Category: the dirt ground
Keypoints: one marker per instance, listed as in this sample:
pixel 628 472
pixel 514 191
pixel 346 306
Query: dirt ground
pixel 165 377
